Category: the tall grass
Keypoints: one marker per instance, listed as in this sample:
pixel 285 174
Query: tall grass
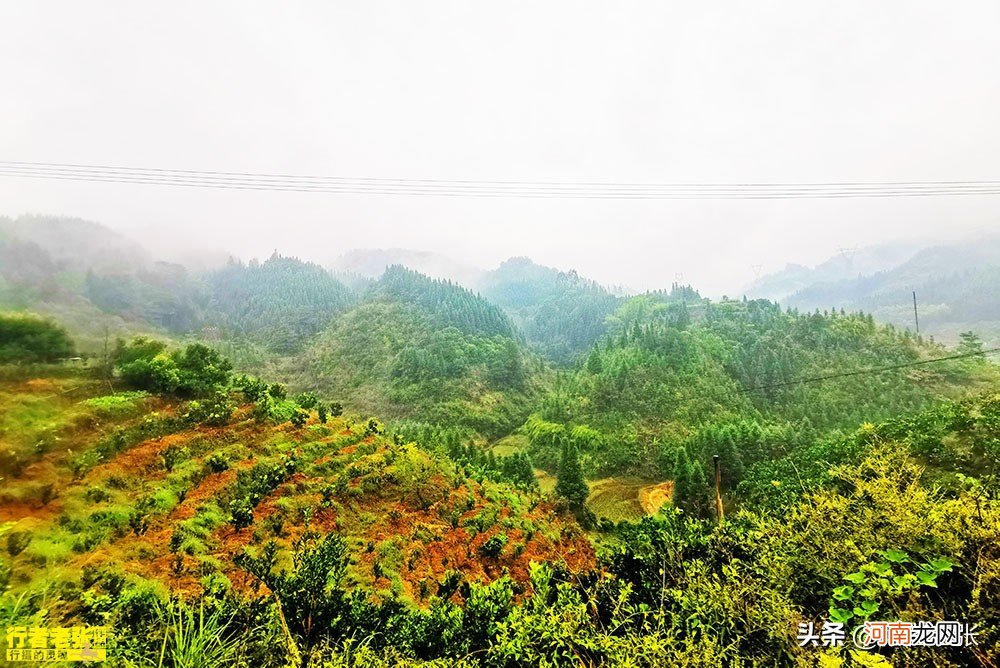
pixel 195 638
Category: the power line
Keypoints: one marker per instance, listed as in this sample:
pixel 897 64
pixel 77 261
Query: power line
pixel 860 372
pixel 466 192
pixel 524 183
pixel 325 182
pixel 469 188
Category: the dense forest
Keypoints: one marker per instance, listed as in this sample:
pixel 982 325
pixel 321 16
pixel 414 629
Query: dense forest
pixel 271 464
pixel 561 313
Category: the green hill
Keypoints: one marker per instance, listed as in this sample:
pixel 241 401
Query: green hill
pixel 724 378
pixel 560 313
pixel 440 356
pixel 278 303
pixel 446 303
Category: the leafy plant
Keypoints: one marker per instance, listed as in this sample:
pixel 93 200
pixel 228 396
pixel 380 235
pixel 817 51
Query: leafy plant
pixel 494 545
pixel 877 584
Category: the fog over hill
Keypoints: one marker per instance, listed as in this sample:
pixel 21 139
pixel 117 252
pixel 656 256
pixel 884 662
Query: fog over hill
pixel 847 264
pixel 372 262
pixel 956 286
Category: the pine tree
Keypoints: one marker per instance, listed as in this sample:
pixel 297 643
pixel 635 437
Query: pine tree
pixel 690 486
pixel 570 483
pixel 518 470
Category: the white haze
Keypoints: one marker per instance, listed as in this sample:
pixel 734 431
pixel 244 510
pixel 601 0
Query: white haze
pixel 569 90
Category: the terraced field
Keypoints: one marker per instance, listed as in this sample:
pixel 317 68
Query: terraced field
pixel 627 499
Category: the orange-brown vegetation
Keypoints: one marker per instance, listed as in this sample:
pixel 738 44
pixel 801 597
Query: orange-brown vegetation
pixel 160 508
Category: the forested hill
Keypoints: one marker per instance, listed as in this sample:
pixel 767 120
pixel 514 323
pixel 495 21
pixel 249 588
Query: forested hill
pixel 92 280
pixel 97 283
pixel 447 303
pixel 561 313
pixel 678 383
pixel 280 302
pixel 956 286
pixel 425 349
pixel 644 373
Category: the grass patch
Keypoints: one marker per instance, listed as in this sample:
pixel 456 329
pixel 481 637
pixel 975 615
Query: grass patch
pixel 510 445
pixel 546 481
pixel 51 548
pixel 119 405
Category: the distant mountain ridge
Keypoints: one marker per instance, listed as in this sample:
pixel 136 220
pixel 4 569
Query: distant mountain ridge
pixel 73 242
pixel 849 263
pixel 372 263
pixel 95 280
pixel 956 284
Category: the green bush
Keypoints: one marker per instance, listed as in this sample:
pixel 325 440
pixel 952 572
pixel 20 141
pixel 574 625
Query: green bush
pixel 216 410
pixel 494 545
pixel 217 462
pixel 195 371
pixel 28 338
pixel 241 512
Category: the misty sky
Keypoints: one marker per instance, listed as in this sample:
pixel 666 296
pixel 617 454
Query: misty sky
pixel 538 91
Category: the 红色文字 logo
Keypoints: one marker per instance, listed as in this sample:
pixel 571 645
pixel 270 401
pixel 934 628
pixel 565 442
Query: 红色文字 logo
pixel 888 634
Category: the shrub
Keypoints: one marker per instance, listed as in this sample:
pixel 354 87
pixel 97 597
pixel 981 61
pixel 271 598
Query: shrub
pixel 217 462
pixel 299 418
pixel 373 427
pixel 195 371
pixel 202 370
pixel 253 389
pixel 158 374
pixel 172 455
pixel 97 494
pixel 216 411
pixel 307 400
pixel 28 338
pixel 241 512
pixel 311 593
pixel 263 409
pixel 494 546
pixel 17 541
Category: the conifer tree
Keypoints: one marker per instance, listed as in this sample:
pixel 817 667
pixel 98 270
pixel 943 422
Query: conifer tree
pixel 690 485
pixel 518 470
pixel 570 483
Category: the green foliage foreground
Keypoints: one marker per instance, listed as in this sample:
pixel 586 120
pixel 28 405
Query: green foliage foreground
pixel 884 535
pixel 26 338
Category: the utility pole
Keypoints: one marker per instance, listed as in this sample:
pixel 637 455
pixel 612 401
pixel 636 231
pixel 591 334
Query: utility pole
pixel 916 319
pixel 718 489
pixel 106 363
